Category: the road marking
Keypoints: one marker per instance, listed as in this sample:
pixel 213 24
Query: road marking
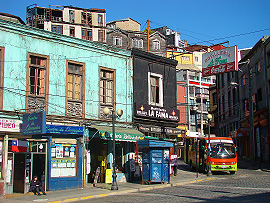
pixel 243 188
pixel 71 200
pixel 87 197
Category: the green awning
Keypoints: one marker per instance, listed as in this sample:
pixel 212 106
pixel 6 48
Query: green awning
pixel 121 134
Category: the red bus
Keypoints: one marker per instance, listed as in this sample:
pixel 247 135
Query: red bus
pixel 223 155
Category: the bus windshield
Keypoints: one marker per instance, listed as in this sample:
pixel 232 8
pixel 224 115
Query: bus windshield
pixel 222 150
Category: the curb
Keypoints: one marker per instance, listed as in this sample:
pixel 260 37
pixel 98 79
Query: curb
pixel 130 191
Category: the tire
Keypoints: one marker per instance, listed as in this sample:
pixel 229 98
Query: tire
pixel 232 172
pixel 204 169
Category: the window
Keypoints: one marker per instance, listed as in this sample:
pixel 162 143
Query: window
pixel 1 75
pixel 185 58
pixel 259 94
pixel 64 160
pixel 75 82
pixel 106 88
pixel 156 45
pixel 72 31
pixel 258 68
pixel 101 35
pixel 37 75
pixel 155 89
pixel 57 29
pixel 196 58
pixel 87 34
pixel 86 18
pixel 75 89
pixel 138 43
pixel 117 41
pixel 71 16
pixel 100 20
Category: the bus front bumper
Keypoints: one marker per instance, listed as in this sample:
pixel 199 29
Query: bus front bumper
pixel 224 167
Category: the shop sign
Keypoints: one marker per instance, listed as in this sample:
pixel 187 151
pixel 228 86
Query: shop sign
pixel 157 129
pixel 156 112
pixel 8 125
pixel 34 123
pixel 61 129
pixel 121 137
pixel 220 61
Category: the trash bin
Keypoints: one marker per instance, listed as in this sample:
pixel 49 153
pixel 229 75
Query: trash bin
pixel 155 160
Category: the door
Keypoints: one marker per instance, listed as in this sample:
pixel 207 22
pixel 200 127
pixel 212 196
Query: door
pixel 38 168
pixel 19 172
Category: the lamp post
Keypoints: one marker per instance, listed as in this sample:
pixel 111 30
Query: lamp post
pixel 119 112
pixel 209 117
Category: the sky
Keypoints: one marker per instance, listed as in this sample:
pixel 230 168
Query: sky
pixel 206 22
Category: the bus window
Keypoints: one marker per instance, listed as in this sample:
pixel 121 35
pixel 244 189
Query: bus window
pixel 222 150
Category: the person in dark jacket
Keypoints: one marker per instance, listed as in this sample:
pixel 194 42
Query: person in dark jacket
pixel 35 186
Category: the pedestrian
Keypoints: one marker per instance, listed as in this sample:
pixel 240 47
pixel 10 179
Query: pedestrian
pixel 35 186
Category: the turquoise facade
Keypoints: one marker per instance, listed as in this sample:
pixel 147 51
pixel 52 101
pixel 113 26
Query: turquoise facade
pixel 18 40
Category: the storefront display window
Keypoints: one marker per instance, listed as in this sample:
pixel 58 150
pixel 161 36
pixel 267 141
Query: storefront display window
pixel 63 160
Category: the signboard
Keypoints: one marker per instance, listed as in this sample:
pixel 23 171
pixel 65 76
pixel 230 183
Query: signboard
pixel 158 129
pixel 61 129
pixel 34 123
pixel 220 61
pixel 156 112
pixel 8 125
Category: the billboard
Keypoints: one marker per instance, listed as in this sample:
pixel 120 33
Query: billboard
pixel 220 61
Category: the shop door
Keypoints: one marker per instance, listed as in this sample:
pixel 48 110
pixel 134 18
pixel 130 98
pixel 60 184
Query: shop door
pixel 19 172
pixel 38 168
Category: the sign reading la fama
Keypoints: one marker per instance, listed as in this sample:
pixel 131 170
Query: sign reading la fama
pixel 156 112
pixel 220 61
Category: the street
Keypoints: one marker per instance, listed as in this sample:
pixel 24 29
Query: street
pixel 246 186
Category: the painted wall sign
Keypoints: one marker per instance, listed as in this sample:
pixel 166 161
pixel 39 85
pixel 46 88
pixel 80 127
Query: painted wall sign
pixel 34 123
pixel 61 129
pixel 9 125
pixel 220 61
pixel 156 112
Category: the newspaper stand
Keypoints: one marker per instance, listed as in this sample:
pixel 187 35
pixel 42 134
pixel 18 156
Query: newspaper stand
pixel 155 161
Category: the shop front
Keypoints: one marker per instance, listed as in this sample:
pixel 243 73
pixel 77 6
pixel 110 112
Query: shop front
pixel 100 146
pixel 54 154
pixel 9 130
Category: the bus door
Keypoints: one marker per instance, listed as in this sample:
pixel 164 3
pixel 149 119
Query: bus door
pixel 202 152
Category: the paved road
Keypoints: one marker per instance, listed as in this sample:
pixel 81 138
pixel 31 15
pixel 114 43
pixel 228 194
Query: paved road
pixel 244 186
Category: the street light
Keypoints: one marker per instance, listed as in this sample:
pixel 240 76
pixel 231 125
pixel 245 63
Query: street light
pixel 209 117
pixel 119 113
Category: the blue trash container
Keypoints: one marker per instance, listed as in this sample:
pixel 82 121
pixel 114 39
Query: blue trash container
pixel 155 160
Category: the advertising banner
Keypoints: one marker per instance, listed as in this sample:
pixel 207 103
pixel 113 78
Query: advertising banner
pixel 220 61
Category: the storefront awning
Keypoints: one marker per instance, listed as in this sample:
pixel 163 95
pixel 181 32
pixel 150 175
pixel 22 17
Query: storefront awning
pixel 121 134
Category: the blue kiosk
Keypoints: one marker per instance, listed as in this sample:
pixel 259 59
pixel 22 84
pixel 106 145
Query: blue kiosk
pixel 155 161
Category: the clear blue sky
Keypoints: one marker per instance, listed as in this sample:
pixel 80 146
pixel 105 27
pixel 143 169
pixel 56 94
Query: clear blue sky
pixel 198 21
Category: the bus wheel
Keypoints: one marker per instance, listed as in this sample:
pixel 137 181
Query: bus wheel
pixel 204 170
pixel 232 172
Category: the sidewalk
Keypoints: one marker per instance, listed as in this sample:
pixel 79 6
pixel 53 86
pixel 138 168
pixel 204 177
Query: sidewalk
pixel 245 163
pixel 184 176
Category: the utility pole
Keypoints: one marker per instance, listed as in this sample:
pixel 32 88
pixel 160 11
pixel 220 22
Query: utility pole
pixel 148 35
pixel 251 119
